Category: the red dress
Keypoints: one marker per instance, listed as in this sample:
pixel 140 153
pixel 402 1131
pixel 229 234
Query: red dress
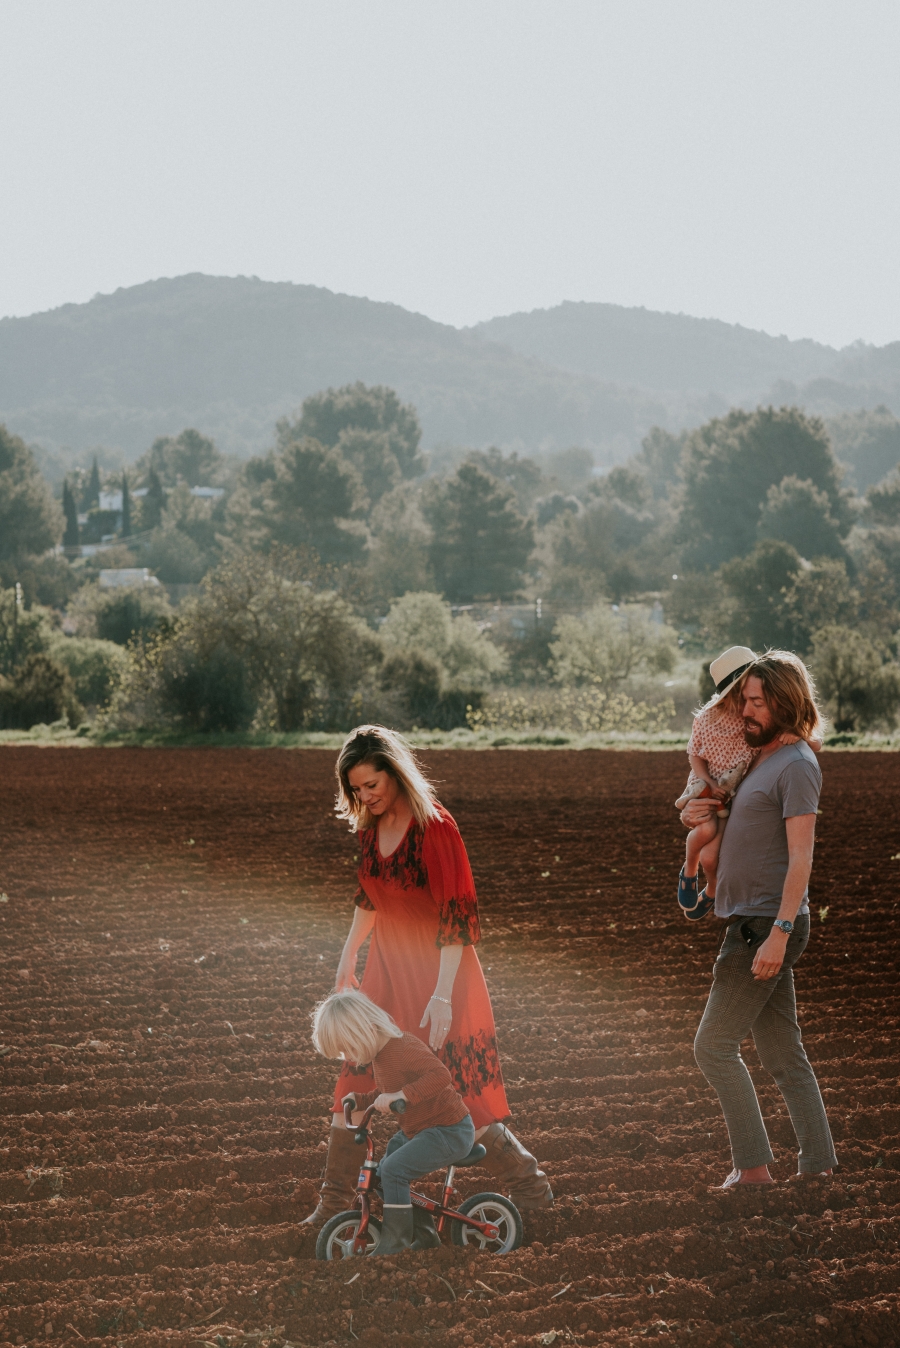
pixel 423 896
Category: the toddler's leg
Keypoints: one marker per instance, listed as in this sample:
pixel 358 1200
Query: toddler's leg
pixel 709 857
pixel 698 838
pixel 432 1149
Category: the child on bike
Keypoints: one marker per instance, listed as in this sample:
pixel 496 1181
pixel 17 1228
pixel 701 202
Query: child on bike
pixel 720 758
pixel 437 1128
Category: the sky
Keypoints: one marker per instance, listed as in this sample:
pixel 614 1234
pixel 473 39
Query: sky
pixel 462 158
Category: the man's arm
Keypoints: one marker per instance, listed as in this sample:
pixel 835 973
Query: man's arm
pixel 801 836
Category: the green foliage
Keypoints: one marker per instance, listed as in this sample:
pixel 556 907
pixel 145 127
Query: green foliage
pixel 757 584
pixel 344 417
pixel 120 613
pixel 607 647
pixel 861 688
pixel 91 497
pixel 883 502
pixel 204 687
pixel 300 496
pixel 37 692
pixel 728 467
pixel 23 632
pixel 522 475
pixel 126 528
pixel 189 457
pixel 398 553
pixel 70 512
pixel 48 581
pixel 797 512
pixel 868 442
pixel 154 503
pixel 95 667
pixel 480 543
pixel 30 519
pixel 423 623
pixel 660 459
pixel 303 646
pixel 585 709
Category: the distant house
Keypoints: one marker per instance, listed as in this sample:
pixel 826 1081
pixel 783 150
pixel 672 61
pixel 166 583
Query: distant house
pixel 208 493
pixel 130 576
pixel 111 500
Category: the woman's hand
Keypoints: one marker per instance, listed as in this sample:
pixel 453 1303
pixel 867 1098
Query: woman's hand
pixel 440 1014
pixel 346 974
pixel 384 1101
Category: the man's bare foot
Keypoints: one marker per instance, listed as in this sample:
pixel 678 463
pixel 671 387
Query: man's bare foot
pixel 758 1175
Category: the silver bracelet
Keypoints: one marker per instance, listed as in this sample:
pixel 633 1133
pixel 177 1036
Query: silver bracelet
pixel 445 1000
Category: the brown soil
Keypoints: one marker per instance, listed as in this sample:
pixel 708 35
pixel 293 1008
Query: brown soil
pixel 172 916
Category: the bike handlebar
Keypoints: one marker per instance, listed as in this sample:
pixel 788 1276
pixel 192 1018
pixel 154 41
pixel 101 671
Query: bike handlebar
pixel 397 1107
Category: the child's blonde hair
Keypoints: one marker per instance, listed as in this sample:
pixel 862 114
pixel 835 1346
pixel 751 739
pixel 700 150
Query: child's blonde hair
pixel 731 700
pixel 348 1025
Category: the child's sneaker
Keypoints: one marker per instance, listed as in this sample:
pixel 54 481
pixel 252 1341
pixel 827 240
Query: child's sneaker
pixel 688 890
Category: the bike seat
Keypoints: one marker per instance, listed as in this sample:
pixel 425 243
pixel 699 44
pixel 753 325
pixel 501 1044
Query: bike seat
pixel 475 1157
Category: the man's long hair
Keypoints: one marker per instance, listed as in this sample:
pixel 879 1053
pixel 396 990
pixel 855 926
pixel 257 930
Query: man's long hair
pixel 789 692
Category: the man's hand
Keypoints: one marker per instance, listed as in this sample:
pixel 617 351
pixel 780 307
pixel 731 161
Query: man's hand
pixel 770 956
pixel 698 811
pixel 384 1101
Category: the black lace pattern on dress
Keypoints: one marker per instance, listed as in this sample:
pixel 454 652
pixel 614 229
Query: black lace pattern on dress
pixel 362 900
pixel 404 867
pixel 473 1063
pixel 459 923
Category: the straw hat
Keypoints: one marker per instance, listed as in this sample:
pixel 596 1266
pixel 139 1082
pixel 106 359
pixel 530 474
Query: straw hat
pixel 729 666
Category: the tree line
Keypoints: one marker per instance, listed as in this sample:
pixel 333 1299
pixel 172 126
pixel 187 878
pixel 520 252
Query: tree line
pixel 312 557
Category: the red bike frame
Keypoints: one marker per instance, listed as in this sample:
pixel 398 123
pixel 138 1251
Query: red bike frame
pixel 366 1183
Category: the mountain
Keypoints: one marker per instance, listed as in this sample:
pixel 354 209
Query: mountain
pixel 678 359
pixel 232 355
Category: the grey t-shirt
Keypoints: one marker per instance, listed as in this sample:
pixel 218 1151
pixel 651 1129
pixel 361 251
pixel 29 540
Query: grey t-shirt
pixel 754 857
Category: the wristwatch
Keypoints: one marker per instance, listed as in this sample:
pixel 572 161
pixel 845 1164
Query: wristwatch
pixel 786 927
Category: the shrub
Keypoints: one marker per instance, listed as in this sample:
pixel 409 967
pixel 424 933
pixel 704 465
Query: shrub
pixel 609 646
pixel 95 667
pixel 205 690
pixel 38 692
pixel 860 687
pixel 119 614
pixel 582 710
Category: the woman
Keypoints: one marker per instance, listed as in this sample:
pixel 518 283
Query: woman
pixel 416 898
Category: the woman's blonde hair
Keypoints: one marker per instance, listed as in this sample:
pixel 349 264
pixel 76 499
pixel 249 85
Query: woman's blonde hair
pixel 387 752
pixel 789 691
pixel 349 1025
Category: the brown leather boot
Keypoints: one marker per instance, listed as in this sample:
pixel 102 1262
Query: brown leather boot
pixel 338 1191
pixel 515 1168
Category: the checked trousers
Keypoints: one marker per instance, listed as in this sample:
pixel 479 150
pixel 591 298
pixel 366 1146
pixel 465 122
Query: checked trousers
pixel 738 1006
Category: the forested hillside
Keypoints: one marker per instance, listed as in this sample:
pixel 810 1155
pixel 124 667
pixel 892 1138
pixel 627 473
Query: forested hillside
pixel 684 360
pixel 232 355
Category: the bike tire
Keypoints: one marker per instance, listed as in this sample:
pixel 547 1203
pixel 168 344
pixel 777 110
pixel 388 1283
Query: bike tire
pixel 492 1208
pixel 337 1232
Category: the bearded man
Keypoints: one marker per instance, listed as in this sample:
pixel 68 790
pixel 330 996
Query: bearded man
pixel 762 895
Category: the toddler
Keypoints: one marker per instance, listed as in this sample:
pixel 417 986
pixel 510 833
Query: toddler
pixel 720 758
pixel 437 1128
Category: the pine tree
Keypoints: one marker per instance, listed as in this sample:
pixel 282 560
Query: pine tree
pixel 126 507
pixel 70 510
pixel 92 492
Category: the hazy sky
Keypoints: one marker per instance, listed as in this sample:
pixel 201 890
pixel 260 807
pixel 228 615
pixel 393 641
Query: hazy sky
pixel 463 159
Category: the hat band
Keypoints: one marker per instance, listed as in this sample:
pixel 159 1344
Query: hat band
pixel 730 678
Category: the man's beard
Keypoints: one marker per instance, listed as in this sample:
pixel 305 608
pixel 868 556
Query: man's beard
pixel 758 739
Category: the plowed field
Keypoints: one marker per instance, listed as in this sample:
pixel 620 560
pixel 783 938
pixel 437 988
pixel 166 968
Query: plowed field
pixel 170 917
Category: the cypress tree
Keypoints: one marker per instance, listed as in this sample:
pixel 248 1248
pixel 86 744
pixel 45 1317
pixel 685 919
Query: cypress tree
pixel 154 501
pixel 92 494
pixel 70 510
pixel 126 507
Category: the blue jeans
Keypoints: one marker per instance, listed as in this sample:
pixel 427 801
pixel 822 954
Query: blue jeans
pixel 739 1005
pixel 409 1158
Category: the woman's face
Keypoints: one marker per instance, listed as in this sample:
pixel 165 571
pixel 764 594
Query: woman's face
pixel 377 791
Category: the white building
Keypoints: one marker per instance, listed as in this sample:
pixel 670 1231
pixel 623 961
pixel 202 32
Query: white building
pixel 127 576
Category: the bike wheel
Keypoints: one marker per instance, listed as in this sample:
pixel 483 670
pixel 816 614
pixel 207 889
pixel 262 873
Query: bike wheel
pixel 337 1235
pixel 500 1212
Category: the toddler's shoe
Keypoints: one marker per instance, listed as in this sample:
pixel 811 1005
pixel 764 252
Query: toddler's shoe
pixel 688 887
pixel 703 907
